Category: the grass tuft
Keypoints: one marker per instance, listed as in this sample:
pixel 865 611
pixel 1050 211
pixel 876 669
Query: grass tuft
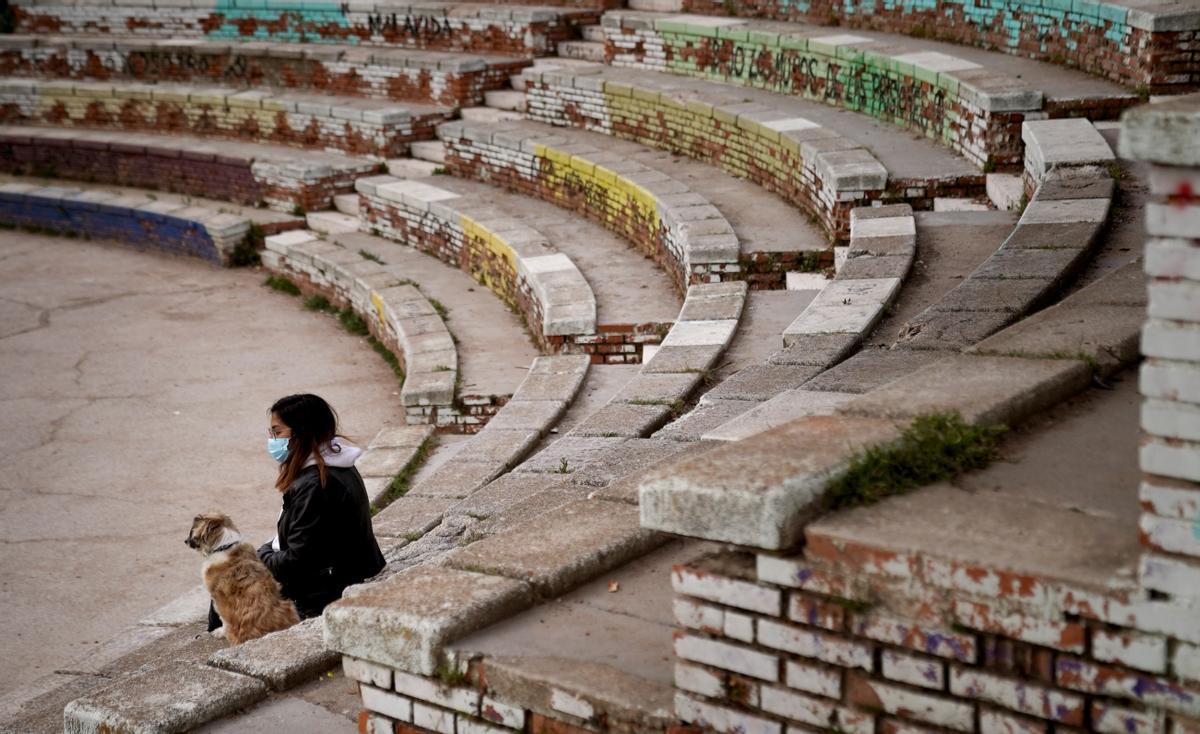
pixel 281 284
pixel 933 448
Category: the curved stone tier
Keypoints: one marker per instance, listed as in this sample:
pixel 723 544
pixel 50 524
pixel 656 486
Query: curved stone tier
pixel 401 75
pixel 160 225
pixel 971 107
pixel 345 124
pixel 245 173
pixel 1139 44
pixel 810 165
pixel 516 261
pixel 473 27
pixel 395 311
pixel 687 236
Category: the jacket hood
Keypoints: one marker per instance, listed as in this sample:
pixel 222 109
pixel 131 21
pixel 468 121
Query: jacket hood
pixel 337 454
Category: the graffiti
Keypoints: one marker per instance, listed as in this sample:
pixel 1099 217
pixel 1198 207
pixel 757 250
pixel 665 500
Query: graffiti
pixel 422 26
pixel 161 64
pixel 876 92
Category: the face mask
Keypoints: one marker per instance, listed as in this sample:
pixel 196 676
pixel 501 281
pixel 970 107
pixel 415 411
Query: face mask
pixel 278 449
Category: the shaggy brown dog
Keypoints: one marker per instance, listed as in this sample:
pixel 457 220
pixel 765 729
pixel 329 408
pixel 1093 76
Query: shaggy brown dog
pixel 244 592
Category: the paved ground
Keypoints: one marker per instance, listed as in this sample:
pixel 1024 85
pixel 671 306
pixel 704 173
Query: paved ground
pixel 134 395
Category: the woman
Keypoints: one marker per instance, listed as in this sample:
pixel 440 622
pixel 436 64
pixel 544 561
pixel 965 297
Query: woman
pixel 325 541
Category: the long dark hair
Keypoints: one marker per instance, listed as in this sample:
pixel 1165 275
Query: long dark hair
pixel 313 424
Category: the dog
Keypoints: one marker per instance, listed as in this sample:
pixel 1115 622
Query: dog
pixel 243 590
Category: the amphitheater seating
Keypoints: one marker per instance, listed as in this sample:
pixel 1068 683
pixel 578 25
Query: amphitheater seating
pixel 346 124
pixel 160 225
pixel 396 312
pixel 817 169
pixel 510 29
pixel 1137 44
pixel 429 77
pixel 514 260
pixel 244 173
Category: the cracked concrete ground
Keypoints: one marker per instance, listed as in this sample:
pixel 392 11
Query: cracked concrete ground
pixel 134 396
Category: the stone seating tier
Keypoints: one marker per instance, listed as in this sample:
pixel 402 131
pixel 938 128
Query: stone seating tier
pixel 244 173
pixel 970 108
pixel 345 124
pixel 472 27
pixel 402 75
pixel 685 234
pixel 1144 45
pixel 514 260
pixel 811 166
pixel 159 225
pixel 397 314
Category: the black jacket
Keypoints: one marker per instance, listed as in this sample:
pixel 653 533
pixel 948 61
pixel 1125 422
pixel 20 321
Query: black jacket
pixel 325 539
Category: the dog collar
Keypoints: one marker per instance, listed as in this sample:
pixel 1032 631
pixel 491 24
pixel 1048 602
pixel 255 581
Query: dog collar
pixel 225 547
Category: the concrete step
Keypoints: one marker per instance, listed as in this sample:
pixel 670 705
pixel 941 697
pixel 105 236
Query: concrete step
pixel 346 204
pixel 657 6
pixel 488 114
pixel 412 168
pixel 1005 190
pixel 428 150
pixel 594 33
pixel 332 222
pixel 505 99
pixel 948 204
pixel 582 50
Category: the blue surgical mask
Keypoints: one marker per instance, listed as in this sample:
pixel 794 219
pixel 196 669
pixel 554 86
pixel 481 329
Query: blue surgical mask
pixel 278 448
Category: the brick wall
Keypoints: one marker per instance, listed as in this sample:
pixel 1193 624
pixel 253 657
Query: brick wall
pixel 859 639
pixel 382 74
pixel 1166 135
pixel 180 169
pixel 598 188
pixel 948 100
pixel 167 227
pixel 810 166
pixel 1128 44
pixel 512 29
pixel 250 115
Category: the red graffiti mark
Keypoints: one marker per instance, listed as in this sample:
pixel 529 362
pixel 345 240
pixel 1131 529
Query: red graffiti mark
pixel 1183 195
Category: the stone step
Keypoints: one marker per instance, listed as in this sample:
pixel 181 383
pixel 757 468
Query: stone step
pixel 332 222
pixel 352 125
pixel 988 87
pixel 505 99
pixel 514 30
pixel 397 74
pixel 488 114
pixel 582 50
pixel 1006 191
pixel 242 172
pixel 168 223
pixel 656 6
pixel 346 204
pixel 593 33
pixel 433 151
pixel 413 168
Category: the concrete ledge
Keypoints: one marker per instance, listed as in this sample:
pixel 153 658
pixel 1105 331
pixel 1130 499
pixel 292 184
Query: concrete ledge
pixel 406 621
pixel 451 79
pixel 759 494
pixel 174 228
pixel 1163 133
pixel 171 697
pixel 1051 144
pixel 347 124
pixel 560 549
pixel 532 160
pixel 397 313
pixel 281 659
pixel 509 257
pixel 812 166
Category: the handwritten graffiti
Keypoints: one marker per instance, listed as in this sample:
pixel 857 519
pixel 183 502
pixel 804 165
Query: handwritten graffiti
pixel 408 25
pixel 879 93
pixel 164 64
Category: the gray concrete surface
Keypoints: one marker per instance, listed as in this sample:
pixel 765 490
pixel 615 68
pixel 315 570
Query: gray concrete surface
pixel 134 396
